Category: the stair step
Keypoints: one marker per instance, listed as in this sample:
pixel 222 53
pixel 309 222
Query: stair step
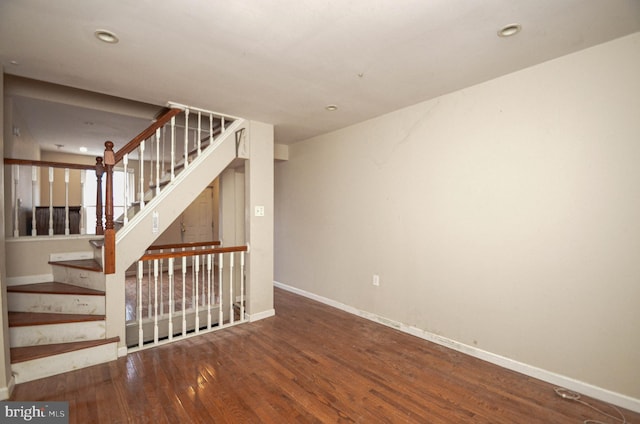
pixel 22 354
pixel 86 264
pixel 54 288
pixel 97 243
pixel 23 319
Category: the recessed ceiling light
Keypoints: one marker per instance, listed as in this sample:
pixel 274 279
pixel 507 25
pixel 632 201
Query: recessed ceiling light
pixel 509 30
pixel 14 62
pixel 331 108
pixel 106 36
pixel 83 149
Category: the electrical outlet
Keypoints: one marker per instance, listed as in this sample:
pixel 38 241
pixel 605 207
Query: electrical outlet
pixel 376 280
pixel 259 211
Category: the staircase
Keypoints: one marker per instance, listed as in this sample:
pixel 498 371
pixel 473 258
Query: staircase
pixel 59 326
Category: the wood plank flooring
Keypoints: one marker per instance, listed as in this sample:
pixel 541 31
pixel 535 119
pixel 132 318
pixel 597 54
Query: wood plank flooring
pixel 309 364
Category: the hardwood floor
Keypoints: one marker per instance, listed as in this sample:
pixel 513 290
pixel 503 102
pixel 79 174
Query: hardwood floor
pixel 309 364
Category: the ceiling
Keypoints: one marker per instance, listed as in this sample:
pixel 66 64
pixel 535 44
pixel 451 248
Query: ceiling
pixel 283 61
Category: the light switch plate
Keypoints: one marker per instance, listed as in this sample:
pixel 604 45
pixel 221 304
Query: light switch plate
pixel 259 211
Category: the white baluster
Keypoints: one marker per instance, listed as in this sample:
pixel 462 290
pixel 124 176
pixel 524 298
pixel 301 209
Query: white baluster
pixel 127 197
pixel 186 138
pixel 155 297
pixel 242 286
pixel 151 146
pixel 198 136
pixel 196 288
pixel 164 142
pixel 15 170
pixel 209 271
pixel 149 274
pixel 139 312
pixel 66 201
pixel 141 195
pixel 50 201
pixel 184 296
pixel 231 317
pixel 34 191
pixel 171 294
pixel 210 129
pixel 220 268
pixel 83 176
pixel 157 161
pixel 161 289
pixel 193 279
pixel 221 124
pixel 173 148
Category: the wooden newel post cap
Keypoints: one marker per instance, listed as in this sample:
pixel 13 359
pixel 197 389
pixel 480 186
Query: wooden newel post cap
pixel 109 157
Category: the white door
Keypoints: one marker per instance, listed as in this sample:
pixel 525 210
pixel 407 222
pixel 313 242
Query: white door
pixel 197 219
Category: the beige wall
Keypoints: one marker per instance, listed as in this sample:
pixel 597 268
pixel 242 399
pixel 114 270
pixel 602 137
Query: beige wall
pixel 259 191
pixel 75 192
pixel 503 216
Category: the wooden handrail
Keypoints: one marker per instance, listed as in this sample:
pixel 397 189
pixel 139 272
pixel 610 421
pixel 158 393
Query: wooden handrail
pixel 183 245
pixel 148 132
pixel 166 255
pixel 44 163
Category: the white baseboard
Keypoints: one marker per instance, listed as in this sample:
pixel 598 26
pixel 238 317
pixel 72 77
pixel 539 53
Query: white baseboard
pixel 122 351
pixel 587 389
pixel 29 279
pixel 261 315
pixel 5 392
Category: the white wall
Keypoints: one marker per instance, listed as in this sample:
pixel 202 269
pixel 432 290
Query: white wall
pixel 504 216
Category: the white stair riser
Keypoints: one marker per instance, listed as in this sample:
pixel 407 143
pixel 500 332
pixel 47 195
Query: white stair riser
pixel 56 303
pixel 79 277
pixel 64 362
pixel 35 335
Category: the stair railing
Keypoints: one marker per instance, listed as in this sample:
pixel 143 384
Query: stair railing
pixel 51 219
pixel 162 158
pixel 196 290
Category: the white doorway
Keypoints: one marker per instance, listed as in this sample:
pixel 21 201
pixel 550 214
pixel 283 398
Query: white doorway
pixel 197 219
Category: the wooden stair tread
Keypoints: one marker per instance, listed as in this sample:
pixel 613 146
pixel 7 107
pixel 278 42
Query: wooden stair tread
pixel 88 264
pixel 22 354
pixel 21 319
pixel 54 288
